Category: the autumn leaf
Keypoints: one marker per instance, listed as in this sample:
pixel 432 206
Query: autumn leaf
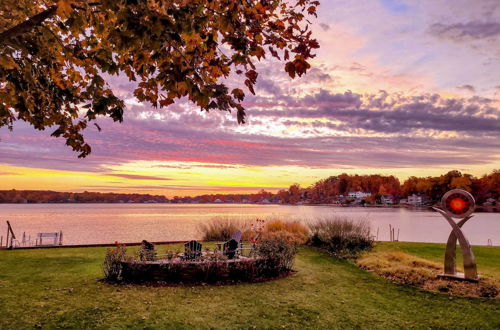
pixel 238 94
pixel 8 63
pixel 249 84
pixel 252 76
pixel 182 88
pixel 290 69
pixel 64 8
pixel 166 102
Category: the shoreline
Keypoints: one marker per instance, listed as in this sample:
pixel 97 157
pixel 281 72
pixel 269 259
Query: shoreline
pixel 160 243
pixel 480 208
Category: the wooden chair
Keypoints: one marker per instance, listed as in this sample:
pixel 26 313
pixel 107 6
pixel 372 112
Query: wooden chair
pixel 230 248
pixel 192 250
pixel 237 236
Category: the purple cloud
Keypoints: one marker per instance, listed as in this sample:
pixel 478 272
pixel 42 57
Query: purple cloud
pixel 464 31
pixel 324 26
pixel 468 88
pixel 394 113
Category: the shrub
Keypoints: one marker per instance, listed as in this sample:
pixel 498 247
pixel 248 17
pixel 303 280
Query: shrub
pixel 112 262
pixel 345 238
pixel 146 251
pixel 276 254
pixel 298 233
pixel 221 228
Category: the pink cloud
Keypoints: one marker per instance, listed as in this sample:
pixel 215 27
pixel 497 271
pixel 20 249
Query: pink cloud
pixel 139 177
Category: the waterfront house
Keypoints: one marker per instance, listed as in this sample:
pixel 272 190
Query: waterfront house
pixel 417 199
pixel 358 194
pixel 387 199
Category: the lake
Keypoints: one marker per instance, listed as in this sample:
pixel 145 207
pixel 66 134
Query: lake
pixel 107 223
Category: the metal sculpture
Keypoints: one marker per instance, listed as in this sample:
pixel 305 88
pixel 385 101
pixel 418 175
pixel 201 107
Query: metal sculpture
pixel 458 203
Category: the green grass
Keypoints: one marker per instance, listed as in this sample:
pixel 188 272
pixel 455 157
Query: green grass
pixel 61 288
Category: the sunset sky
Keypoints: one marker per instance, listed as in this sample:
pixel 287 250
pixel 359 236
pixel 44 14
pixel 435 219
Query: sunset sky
pixel 398 88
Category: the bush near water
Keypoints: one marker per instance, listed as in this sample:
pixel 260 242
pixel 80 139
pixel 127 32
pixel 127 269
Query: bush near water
pixel 345 238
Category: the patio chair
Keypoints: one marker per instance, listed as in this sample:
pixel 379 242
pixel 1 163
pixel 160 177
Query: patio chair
pixel 230 248
pixel 237 236
pixel 192 250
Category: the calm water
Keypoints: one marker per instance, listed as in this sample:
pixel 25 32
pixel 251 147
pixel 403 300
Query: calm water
pixel 107 223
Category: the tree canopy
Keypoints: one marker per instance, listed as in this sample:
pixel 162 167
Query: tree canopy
pixel 55 56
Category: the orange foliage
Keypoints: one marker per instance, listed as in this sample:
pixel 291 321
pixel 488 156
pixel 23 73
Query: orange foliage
pixel 296 231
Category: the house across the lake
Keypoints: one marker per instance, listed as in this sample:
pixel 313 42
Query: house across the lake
pixel 387 199
pixel 416 200
pixel 358 194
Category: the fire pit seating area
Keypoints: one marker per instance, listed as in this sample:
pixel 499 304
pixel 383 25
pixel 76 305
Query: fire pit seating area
pixel 228 262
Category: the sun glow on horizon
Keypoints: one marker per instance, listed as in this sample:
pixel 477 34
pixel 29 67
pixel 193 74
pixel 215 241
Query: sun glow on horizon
pixel 189 178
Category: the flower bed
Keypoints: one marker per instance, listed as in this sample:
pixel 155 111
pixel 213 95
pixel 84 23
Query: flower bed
pixel 270 258
pixel 204 271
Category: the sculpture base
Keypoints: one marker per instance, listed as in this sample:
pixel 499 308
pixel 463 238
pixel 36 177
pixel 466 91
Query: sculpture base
pixel 459 277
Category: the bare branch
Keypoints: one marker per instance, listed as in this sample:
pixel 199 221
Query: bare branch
pixel 27 25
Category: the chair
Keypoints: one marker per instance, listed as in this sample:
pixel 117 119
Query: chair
pixel 237 236
pixel 192 250
pixel 230 248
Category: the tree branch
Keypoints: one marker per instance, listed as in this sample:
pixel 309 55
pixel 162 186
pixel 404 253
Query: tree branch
pixel 27 25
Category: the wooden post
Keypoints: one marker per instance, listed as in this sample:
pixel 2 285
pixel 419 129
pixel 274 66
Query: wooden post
pixel 12 236
pixel 398 235
pixel 1 241
pixel 60 237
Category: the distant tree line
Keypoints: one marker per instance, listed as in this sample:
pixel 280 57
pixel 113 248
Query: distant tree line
pixel 44 196
pixel 328 190
pixel 324 191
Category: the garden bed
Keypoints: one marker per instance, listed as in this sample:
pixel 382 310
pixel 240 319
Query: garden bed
pixel 176 271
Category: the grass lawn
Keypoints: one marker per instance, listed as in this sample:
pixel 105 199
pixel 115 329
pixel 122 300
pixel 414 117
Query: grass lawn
pixel 60 288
